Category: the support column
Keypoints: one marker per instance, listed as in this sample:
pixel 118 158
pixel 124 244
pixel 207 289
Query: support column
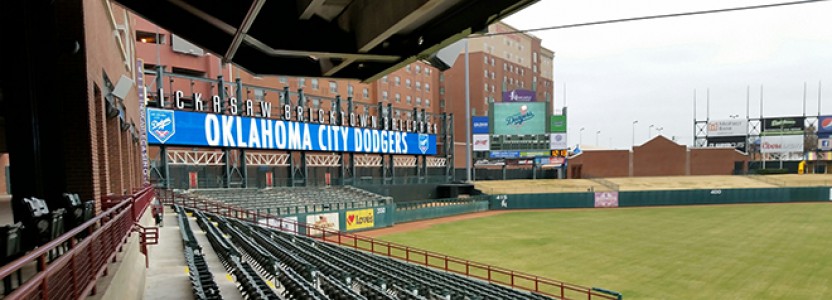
pixel 351 154
pixel 243 169
pixel 226 158
pixel 336 107
pixel 163 160
pixel 450 161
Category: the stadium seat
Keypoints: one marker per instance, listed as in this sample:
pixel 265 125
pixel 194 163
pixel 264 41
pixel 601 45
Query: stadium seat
pixel 10 249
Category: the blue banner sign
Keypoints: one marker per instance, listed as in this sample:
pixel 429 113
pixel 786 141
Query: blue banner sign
pixel 479 125
pixel 504 154
pixel 183 128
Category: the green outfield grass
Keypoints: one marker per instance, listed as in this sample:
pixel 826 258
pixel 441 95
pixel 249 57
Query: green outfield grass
pixel 777 251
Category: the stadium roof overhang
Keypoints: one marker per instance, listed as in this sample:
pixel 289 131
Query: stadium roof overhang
pixel 359 39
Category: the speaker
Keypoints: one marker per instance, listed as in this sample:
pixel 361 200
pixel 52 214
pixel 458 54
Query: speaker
pixel 444 59
pixel 122 87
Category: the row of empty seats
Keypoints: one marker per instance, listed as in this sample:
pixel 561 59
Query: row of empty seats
pixel 292 200
pixel 203 285
pixel 306 268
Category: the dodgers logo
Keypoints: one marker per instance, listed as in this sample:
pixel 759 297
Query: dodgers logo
pixel 519 118
pixel 162 125
pixel 423 142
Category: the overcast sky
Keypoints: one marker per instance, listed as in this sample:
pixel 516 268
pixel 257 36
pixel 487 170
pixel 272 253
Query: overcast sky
pixel 648 70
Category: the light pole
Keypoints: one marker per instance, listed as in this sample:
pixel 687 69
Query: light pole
pixel 467 119
pixel 597 133
pixel 659 129
pixel 634 133
pixel 650 131
pixel 581 136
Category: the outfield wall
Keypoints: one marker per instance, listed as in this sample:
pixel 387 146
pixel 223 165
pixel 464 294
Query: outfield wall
pixel 659 198
pixel 438 208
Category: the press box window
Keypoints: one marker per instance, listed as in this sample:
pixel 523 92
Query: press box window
pixel 149 37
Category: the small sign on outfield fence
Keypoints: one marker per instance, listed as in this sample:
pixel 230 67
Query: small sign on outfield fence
pixel 606 199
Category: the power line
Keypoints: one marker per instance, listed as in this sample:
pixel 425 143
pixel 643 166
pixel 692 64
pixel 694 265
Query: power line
pixel 652 17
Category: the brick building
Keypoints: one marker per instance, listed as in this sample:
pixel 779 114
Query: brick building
pixel 497 63
pixel 658 157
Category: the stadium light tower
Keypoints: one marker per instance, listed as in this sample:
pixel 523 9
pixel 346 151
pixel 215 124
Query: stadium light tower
pixel 581 136
pixel 650 131
pixel 659 129
pixel 634 133
pixel 597 133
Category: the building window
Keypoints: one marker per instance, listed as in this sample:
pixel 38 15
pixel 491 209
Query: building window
pixel 384 79
pixel 349 90
pixel 427 87
pixel 534 68
pixel 534 57
pixel 427 71
pixel 427 102
pixel 486 73
pixel 149 37
pixel 485 101
pixel 418 101
pixel 398 98
pixel 408 68
pixel 486 87
pixel 384 95
pixel 316 103
pixel 492 88
pixel 259 95
pixel 407 83
pixel 441 90
pixel 283 79
pixel 485 58
pixel 522 72
pixel 505 67
pixel 398 81
pixel 418 69
pixel 441 77
pixel 314 83
pixel 492 61
pixel 492 75
pixel 302 82
pixel 333 87
pixel 418 86
pixel 366 93
pixel 408 100
pixel 442 103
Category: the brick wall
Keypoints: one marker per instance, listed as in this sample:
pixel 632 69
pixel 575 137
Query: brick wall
pixel 4 161
pixel 601 163
pixel 714 161
pixel 659 157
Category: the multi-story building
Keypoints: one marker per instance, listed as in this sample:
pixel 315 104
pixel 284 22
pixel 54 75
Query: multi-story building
pixel 497 63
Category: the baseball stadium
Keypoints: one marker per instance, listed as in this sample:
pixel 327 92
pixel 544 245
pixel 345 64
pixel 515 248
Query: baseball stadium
pixel 290 150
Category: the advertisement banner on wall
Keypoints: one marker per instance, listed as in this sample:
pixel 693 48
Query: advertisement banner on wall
pixel 557 141
pixel 519 96
pixel 787 124
pixel 482 142
pixel 479 125
pixel 519 118
pixel 184 128
pixel 557 123
pixel 328 221
pixel 289 224
pixel 504 154
pixel 825 144
pixel 360 219
pixel 722 128
pixel 824 126
pixel 606 199
pixel 781 144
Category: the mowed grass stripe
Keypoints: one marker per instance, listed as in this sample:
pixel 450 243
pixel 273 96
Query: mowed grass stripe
pixel 777 251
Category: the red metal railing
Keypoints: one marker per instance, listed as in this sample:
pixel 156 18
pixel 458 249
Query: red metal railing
pixel 73 275
pixel 492 274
